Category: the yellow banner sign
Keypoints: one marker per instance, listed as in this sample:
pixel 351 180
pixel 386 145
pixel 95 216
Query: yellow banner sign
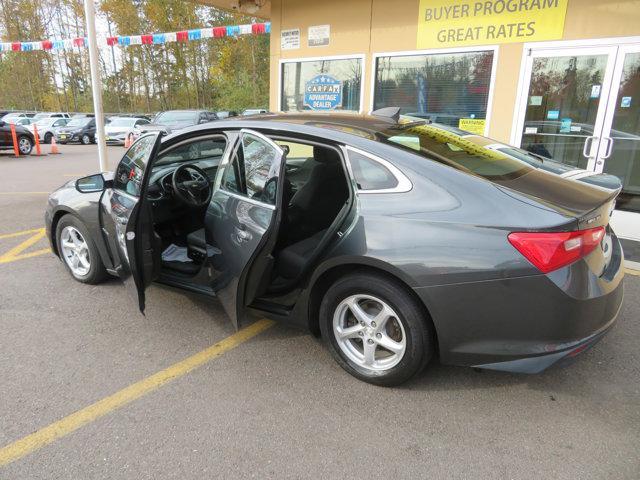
pixel 453 23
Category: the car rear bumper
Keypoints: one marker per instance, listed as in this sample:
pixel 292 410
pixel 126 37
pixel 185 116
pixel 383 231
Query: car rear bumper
pixel 526 324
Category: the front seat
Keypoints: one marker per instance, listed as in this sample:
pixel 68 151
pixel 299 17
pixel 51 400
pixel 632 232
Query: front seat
pixel 317 203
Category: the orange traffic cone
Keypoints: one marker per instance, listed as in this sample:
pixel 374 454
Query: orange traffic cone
pixel 54 147
pixel 37 139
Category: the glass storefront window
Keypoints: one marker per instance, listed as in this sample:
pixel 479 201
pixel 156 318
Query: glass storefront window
pixel 443 87
pixel 297 75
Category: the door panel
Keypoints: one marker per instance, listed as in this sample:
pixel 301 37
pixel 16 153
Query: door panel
pixel 565 105
pixel 242 215
pixel 620 154
pixel 125 219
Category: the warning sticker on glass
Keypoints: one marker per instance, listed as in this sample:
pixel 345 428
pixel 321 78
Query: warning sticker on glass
pixel 472 125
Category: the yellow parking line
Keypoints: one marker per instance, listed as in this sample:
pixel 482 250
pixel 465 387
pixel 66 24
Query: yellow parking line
pixel 65 426
pixel 20 234
pixel 16 252
pixel 628 271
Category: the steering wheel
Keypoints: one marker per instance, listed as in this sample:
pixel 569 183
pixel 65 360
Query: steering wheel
pixel 191 185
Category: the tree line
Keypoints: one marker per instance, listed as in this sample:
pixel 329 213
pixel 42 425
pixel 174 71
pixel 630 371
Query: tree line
pixel 230 73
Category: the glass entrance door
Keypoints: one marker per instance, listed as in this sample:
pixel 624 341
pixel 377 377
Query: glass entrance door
pixel 620 151
pixel 566 103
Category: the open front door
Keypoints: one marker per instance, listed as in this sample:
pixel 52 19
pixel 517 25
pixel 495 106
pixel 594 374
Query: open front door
pixel 125 218
pixel 243 214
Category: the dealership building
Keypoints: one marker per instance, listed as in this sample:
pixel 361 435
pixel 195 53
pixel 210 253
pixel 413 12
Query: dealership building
pixel 558 77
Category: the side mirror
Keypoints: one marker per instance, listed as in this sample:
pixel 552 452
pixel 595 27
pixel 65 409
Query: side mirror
pixel 90 184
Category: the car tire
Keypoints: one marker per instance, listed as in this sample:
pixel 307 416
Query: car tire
pixel 85 248
pixel 25 145
pixel 407 325
pixel 48 137
pixel 85 139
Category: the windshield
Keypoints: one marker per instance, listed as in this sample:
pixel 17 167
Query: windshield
pixel 443 146
pixel 122 122
pixel 46 121
pixel 78 122
pixel 176 118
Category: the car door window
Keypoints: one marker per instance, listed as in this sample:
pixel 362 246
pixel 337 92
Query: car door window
pixel 128 177
pixel 254 169
pixel 59 123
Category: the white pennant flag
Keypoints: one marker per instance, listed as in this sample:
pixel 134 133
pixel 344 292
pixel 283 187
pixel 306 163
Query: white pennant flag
pixel 170 37
pixel 36 45
pixel 136 40
pixel 206 32
pixel 245 29
pixel 68 43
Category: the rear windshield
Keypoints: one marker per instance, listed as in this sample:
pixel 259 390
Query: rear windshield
pixel 454 150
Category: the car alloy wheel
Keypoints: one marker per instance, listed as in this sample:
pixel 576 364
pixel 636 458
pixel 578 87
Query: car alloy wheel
pixel 48 137
pixel 75 251
pixel 369 333
pixel 85 139
pixel 24 145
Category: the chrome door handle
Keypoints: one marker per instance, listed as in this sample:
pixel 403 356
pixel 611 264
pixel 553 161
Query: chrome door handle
pixel 607 154
pixel 586 149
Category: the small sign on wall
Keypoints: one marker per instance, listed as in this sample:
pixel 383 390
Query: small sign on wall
pixel 290 39
pixel 318 35
pixel 323 92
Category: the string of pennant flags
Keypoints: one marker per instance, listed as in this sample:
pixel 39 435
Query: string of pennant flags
pixel 150 39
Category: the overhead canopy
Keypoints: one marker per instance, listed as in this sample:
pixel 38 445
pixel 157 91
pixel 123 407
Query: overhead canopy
pixel 256 8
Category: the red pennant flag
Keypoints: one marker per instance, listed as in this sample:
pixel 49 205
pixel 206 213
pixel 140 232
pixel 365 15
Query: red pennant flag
pixel 219 32
pixel 182 36
pixel 147 39
pixel 15 46
pixel 258 28
pixel 47 44
pixel 111 41
pixel 78 42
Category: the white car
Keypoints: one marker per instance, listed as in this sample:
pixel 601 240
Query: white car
pixel 13 117
pixel 48 127
pixel 41 115
pixel 119 128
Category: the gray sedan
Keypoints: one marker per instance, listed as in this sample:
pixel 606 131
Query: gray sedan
pixel 394 239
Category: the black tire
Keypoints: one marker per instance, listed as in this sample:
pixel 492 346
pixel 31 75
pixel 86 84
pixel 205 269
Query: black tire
pixel 25 149
pixel 420 345
pixel 47 137
pixel 97 273
pixel 85 139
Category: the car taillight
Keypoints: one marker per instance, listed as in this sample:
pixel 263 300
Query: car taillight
pixel 549 251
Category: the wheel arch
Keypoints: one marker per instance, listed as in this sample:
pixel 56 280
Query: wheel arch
pixel 324 279
pixel 55 219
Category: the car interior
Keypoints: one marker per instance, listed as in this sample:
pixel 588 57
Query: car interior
pixel 315 197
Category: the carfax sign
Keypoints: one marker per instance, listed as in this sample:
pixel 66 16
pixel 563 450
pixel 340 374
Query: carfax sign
pixel 452 23
pixel 323 92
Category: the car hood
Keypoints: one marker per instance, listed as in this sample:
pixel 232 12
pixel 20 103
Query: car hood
pixel 116 129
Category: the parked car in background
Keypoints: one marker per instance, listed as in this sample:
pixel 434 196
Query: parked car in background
pixel 253 111
pixel 25 121
pixel 226 114
pixel 40 115
pixel 174 120
pixel 120 128
pixel 13 116
pixel 23 135
pixel 48 127
pixel 79 129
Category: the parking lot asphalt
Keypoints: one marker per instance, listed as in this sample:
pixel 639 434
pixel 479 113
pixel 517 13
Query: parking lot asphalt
pixel 276 405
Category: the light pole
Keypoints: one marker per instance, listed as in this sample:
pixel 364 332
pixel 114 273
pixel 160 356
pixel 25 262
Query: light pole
pixel 96 83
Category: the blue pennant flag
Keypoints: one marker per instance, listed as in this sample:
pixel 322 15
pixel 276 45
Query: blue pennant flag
pixel 158 38
pixel 195 34
pixel 26 47
pixel 233 30
pixel 124 41
pixel 267 27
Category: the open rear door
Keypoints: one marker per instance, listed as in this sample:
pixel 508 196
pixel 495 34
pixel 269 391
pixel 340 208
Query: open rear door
pixel 125 218
pixel 244 211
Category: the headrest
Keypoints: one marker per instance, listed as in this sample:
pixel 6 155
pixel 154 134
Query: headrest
pixel 325 155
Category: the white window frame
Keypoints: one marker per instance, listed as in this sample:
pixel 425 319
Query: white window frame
pixel 439 51
pixel 356 56
pixel 523 78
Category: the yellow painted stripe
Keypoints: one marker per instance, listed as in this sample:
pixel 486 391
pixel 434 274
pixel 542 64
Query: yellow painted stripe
pixel 12 254
pixel 69 424
pixel 628 271
pixel 23 256
pixel 19 234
